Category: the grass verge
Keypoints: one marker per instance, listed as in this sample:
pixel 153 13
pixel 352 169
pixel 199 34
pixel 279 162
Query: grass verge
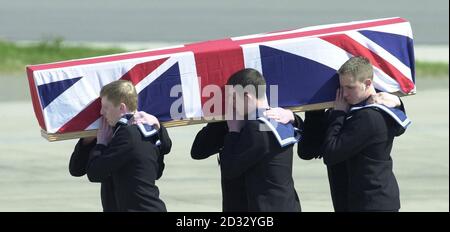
pixel 14 57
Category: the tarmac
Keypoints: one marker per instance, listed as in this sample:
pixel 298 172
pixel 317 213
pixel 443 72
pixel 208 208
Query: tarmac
pixel 200 20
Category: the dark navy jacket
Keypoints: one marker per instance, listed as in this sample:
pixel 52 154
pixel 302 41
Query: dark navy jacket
pixel 127 168
pixel 356 148
pixel 256 170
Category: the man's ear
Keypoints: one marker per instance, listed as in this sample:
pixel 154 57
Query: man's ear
pixel 123 108
pixel 368 83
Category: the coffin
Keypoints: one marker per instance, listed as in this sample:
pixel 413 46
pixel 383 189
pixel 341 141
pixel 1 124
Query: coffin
pixel 301 63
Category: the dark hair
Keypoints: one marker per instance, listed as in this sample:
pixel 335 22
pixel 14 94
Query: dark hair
pixel 249 77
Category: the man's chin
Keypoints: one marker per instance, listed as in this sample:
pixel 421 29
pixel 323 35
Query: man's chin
pixel 350 102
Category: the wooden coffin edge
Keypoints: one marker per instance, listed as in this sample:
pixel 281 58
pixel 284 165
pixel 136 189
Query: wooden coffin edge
pixel 51 137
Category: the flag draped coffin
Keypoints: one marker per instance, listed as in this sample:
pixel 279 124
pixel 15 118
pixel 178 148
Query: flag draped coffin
pixel 302 63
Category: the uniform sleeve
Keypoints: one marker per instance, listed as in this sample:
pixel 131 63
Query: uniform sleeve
pixel 344 141
pixel 209 140
pixel 104 160
pixel 396 128
pixel 166 142
pixel 313 134
pixel 298 122
pixel 164 149
pixel 79 158
pixel 161 166
pixel 243 150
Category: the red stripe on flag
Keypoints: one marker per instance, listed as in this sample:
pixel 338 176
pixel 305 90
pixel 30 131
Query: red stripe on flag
pixel 321 31
pixel 83 119
pixel 216 61
pixel 356 49
pixel 92 112
pixel 35 99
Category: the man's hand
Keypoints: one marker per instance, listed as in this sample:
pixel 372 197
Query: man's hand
pixel 235 125
pixel 386 99
pixel 280 115
pixel 104 133
pixel 340 103
pixel 142 117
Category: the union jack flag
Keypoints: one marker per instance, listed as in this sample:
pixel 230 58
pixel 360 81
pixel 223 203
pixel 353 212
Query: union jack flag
pixel 301 62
